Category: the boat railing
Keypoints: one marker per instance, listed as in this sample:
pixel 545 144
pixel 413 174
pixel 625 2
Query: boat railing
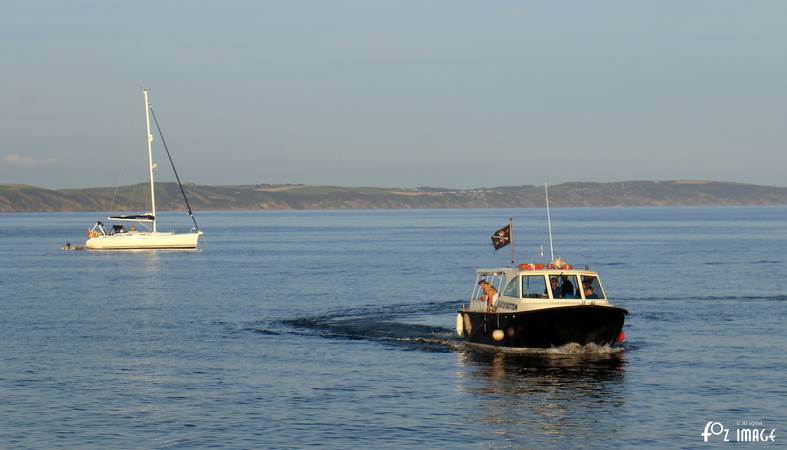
pixel 477 305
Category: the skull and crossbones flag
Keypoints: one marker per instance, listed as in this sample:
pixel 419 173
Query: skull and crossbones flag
pixel 502 237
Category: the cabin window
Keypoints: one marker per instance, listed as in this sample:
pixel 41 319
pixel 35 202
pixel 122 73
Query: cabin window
pixel 534 286
pixel 512 290
pixel 563 286
pixel 591 288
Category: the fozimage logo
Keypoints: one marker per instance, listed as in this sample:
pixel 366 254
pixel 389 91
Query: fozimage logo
pixel 752 431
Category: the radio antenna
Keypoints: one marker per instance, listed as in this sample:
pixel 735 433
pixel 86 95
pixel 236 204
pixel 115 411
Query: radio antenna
pixel 549 223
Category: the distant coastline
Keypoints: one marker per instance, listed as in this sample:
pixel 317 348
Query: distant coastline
pixel 24 198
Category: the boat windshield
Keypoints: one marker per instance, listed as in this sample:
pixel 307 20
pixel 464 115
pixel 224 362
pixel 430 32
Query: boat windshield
pixel 534 286
pixel 591 288
pixel 512 290
pixel 563 286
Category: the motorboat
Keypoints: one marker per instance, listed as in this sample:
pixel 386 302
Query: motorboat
pixel 539 306
pixel 531 305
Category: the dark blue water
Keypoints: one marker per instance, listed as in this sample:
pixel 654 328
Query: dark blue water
pixel 297 329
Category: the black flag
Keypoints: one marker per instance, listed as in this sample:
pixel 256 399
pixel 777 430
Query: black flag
pixel 502 237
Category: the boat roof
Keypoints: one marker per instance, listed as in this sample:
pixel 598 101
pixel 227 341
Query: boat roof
pixel 513 271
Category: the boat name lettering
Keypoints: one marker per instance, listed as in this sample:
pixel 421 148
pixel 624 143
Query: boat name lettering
pixel 506 305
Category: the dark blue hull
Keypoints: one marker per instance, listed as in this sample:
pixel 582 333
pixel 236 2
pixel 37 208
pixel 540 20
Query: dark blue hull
pixel 545 328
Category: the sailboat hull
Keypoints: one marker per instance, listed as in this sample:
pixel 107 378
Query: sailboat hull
pixel 133 240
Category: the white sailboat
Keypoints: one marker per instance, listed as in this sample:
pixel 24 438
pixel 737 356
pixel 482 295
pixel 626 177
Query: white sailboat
pixel 119 238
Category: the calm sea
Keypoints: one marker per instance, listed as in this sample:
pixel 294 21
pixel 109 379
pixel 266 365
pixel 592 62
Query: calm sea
pixel 334 329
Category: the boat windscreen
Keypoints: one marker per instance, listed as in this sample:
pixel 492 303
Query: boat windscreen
pixel 591 288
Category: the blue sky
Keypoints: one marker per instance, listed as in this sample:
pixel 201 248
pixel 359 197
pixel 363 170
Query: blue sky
pixel 405 93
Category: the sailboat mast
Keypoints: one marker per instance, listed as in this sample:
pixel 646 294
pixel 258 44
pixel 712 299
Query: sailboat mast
pixel 150 158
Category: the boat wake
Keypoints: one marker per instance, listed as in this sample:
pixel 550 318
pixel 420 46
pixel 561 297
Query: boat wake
pixel 396 325
pixel 571 349
pixel 384 324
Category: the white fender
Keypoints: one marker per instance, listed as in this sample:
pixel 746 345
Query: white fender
pixel 460 325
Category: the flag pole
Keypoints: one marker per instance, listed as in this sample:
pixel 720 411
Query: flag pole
pixel 511 237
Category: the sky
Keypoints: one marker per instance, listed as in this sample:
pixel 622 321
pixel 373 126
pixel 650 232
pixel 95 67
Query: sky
pixel 394 93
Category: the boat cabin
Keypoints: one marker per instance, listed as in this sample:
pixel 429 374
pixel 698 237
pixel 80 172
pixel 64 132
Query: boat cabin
pixel 99 229
pixel 535 286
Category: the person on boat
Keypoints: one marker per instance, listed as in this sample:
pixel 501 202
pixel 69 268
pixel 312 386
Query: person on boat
pixel 556 292
pixel 566 288
pixel 488 293
pixel 589 292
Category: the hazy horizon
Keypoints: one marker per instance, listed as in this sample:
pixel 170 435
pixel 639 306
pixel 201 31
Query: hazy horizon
pixel 395 94
pixel 393 187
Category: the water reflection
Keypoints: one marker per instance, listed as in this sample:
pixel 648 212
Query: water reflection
pixel 552 396
pixel 150 261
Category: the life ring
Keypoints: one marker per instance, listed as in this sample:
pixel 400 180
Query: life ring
pixel 530 266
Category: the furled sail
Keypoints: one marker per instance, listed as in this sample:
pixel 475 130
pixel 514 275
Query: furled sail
pixel 135 218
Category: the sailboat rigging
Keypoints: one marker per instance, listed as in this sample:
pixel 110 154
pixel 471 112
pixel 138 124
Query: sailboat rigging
pixel 120 238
